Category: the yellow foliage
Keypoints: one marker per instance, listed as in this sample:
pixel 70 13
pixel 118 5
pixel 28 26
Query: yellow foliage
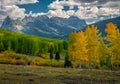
pixel 112 32
pixel 83 46
pixel 93 37
pixel 113 37
pixel 77 47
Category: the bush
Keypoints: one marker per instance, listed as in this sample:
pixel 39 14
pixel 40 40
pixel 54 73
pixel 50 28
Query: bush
pixel 38 61
pixel 20 62
pixel 56 63
pixel 13 58
pixel 19 59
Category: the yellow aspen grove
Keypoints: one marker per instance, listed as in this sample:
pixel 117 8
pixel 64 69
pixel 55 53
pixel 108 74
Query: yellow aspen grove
pixel 89 49
pixel 77 48
pixel 113 37
pixel 93 37
pixel 112 32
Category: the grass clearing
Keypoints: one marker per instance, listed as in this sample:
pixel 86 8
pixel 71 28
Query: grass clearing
pixel 14 74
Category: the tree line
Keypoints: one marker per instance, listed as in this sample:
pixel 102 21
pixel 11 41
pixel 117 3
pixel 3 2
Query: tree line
pixel 30 45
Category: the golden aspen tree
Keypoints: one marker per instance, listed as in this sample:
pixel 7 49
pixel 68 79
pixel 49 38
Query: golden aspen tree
pixel 112 32
pixel 103 52
pixel 93 37
pixel 116 50
pixel 77 48
pixel 113 37
pixel 71 45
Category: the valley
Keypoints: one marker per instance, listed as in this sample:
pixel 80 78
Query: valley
pixel 59 41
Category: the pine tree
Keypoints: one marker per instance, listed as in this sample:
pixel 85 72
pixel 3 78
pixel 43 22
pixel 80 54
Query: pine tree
pixel 67 62
pixel 51 55
pixel 57 56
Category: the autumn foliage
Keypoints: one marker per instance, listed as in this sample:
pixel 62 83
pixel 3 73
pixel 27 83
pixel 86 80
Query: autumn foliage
pixel 89 49
pixel 85 49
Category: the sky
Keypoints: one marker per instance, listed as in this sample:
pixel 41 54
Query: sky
pixel 90 10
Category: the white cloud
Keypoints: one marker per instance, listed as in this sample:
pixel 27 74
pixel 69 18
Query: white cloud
pixel 70 12
pixel 60 4
pixel 14 2
pixel 58 13
pixel 55 5
pixel 112 4
pixel 10 8
pixel 34 14
pixel 85 9
pixel 27 1
pixel 108 11
pixel 14 11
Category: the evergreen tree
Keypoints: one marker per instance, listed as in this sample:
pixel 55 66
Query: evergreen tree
pixel 67 62
pixel 57 56
pixel 51 55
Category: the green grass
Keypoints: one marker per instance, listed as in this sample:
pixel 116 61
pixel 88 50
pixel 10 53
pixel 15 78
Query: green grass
pixel 13 74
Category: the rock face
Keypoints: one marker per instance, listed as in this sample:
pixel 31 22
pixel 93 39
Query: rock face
pixel 54 27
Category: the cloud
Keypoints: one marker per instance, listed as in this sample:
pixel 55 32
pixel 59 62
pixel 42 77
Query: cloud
pixel 112 4
pixel 60 4
pixel 34 14
pixel 58 13
pixel 13 11
pixel 86 8
pixel 17 2
pixel 10 8
pixel 108 3
pixel 108 11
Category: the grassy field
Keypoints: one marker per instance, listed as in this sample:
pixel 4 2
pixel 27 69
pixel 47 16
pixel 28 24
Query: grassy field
pixel 13 74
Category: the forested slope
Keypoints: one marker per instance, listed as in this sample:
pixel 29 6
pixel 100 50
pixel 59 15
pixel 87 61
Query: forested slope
pixel 27 44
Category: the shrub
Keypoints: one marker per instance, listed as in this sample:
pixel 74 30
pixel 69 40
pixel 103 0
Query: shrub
pixel 38 61
pixel 20 62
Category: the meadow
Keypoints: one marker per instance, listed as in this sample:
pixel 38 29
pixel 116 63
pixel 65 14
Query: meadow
pixel 25 74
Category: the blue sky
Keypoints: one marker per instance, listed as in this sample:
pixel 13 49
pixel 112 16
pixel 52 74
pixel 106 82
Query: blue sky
pixel 90 10
pixel 41 6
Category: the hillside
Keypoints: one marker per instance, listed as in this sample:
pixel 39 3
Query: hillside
pixel 28 44
pixel 23 49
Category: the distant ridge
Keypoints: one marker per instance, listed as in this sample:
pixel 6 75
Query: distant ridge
pixel 102 24
pixel 54 27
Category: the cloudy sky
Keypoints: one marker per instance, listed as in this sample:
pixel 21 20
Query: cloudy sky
pixel 91 10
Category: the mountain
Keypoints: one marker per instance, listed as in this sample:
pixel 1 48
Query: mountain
pixel 9 22
pixel 102 24
pixel 14 25
pixel 54 27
